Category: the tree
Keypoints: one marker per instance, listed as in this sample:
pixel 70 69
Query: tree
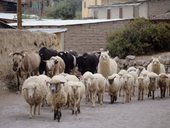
pixel 64 9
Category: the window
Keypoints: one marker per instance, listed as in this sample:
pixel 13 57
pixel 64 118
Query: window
pixel 120 12
pixel 108 13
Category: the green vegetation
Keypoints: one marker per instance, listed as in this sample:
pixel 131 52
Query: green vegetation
pixel 139 37
pixel 65 9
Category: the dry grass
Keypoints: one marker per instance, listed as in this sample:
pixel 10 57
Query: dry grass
pixel 18 40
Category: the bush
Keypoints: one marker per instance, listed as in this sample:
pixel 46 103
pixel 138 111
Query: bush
pixel 139 37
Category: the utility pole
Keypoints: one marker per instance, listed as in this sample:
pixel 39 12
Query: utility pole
pixel 19 14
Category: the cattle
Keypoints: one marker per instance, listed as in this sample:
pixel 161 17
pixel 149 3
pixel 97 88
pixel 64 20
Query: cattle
pixel 87 62
pixel 69 60
pixel 45 54
pixel 26 63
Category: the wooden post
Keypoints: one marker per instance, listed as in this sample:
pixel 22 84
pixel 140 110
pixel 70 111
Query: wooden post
pixel 19 14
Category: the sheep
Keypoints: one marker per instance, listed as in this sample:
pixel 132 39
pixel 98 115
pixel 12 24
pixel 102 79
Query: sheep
pixel 144 73
pixel 156 67
pixel 55 65
pixel 106 65
pixel 135 75
pixel 77 92
pixel 162 82
pixel 121 73
pixel 128 83
pixel 97 87
pixel 87 78
pixel 114 86
pixel 58 95
pixel 34 91
pixel 25 63
pixel 141 87
pixel 153 77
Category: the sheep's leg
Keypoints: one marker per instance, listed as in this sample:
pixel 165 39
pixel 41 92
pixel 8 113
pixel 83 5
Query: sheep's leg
pixel 142 94
pixel 39 107
pixel 161 92
pixel 55 114
pixel 138 95
pixel 93 99
pixel 153 96
pixel 120 92
pixel 164 91
pixel 18 82
pixel 30 116
pixel 169 90
pixel 59 115
pixel 111 99
pixel 35 106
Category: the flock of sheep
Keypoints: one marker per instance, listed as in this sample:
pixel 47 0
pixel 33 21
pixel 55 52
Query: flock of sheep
pixel 67 90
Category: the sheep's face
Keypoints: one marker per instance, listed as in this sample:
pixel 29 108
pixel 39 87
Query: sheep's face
pixel 104 56
pixel 152 80
pixel 17 61
pixel 155 61
pixel 140 80
pixel 50 63
pixel 74 89
pixel 55 87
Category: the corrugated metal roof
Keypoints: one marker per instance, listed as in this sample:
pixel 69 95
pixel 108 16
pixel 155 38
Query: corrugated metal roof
pixel 50 30
pixel 58 22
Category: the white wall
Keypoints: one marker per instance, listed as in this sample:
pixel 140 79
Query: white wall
pixel 143 10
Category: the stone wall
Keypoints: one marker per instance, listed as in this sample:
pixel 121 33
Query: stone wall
pixel 17 40
pixel 89 37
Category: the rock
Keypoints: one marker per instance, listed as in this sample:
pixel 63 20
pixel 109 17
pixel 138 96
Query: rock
pixel 130 57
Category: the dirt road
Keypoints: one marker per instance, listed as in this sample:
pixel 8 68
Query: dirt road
pixel 145 114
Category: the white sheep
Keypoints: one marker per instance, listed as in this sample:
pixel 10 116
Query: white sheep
pixel 121 73
pixel 115 84
pixel 87 78
pixel 77 92
pixel 141 88
pixel 135 75
pixel 162 82
pixel 156 67
pixel 35 91
pixel 97 87
pixel 128 83
pixel 58 95
pixel 55 65
pixel 106 66
pixel 153 84
pixel 144 73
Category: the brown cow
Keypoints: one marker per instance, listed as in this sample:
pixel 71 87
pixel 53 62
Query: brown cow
pixel 26 63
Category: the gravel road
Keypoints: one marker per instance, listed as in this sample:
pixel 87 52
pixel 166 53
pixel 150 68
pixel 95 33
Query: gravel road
pixel 137 114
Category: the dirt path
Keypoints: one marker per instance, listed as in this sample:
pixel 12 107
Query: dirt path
pixel 145 114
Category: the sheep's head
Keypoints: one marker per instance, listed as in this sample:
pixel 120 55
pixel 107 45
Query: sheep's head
pixel 50 63
pixel 17 60
pixel 155 61
pixel 104 56
pixel 55 87
pixel 152 80
pixel 140 80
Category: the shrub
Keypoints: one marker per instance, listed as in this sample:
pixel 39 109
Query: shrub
pixel 139 37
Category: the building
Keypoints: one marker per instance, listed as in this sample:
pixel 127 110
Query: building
pixel 8 6
pixel 114 9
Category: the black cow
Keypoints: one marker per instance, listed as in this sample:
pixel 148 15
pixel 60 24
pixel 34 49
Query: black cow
pixel 69 60
pixel 87 62
pixel 45 54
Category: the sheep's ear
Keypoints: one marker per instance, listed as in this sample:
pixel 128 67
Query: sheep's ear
pixel 107 51
pixel 47 83
pixel 55 61
pixel 62 83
